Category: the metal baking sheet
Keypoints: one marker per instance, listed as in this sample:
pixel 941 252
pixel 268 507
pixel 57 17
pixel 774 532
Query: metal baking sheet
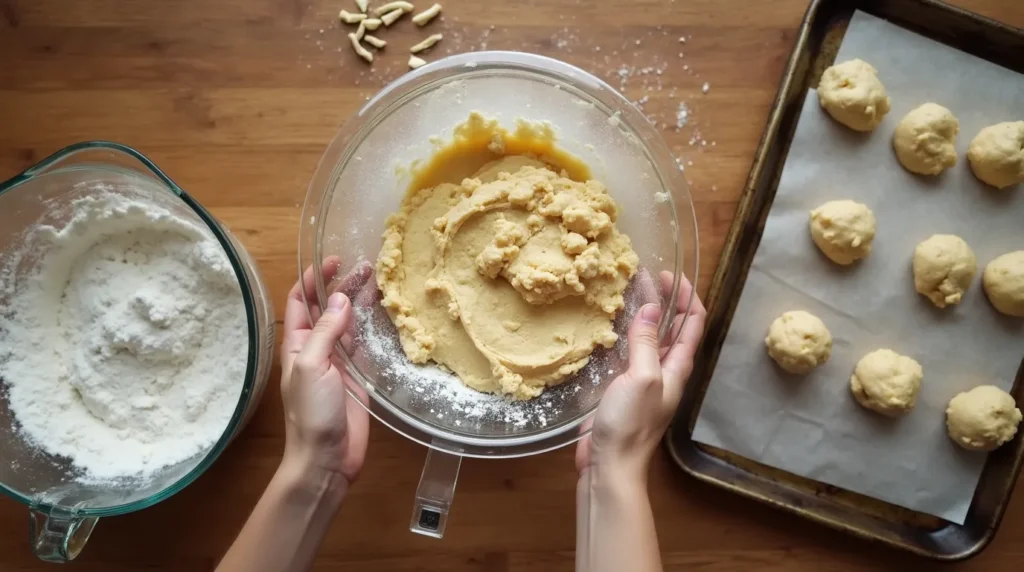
pixel 812 426
pixel 827 23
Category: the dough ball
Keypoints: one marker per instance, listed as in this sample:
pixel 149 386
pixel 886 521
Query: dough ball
pixel 843 230
pixel 853 95
pixel 886 382
pixel 982 419
pixel 944 267
pixel 924 140
pixel 1004 283
pixel 996 154
pixel 799 341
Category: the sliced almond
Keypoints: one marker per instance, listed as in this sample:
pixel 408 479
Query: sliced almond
pixel 427 43
pixel 391 17
pixel 424 17
pixel 360 50
pixel 374 41
pixel 350 18
pixel 400 5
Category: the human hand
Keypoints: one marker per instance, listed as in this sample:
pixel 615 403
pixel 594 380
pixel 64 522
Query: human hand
pixel 325 429
pixel 639 404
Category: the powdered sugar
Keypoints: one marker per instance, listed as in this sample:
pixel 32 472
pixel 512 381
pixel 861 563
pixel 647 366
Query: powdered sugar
pixel 124 351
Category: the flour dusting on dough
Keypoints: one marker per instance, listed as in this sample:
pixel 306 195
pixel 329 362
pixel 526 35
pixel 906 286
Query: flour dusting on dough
pixel 509 274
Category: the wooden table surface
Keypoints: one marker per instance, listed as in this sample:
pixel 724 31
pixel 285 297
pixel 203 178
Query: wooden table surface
pixel 237 99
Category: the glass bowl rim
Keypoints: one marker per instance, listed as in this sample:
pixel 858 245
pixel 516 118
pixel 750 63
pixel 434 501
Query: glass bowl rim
pixel 402 91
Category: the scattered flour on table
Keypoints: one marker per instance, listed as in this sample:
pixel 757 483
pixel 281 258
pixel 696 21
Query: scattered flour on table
pixel 682 115
pixel 125 349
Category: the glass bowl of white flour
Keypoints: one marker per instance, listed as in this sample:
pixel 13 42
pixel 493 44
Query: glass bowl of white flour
pixel 136 337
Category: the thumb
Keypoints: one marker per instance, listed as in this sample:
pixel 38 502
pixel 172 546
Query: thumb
pixel 644 359
pixel 327 332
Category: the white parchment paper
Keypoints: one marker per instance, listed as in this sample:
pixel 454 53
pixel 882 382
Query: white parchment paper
pixel 812 426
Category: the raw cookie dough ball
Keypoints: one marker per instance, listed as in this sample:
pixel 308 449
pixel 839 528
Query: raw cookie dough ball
pixel 982 419
pixel 1004 283
pixel 853 95
pixel 996 154
pixel 843 230
pixel 886 382
pixel 944 267
pixel 924 140
pixel 799 342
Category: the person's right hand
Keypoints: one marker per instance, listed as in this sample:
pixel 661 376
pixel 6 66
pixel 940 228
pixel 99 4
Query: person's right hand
pixel 638 405
pixel 326 430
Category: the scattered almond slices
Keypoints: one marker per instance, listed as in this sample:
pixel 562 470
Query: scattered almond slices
pixel 400 5
pixel 374 41
pixel 360 50
pixel 350 18
pixel 427 43
pixel 391 17
pixel 386 15
pixel 424 17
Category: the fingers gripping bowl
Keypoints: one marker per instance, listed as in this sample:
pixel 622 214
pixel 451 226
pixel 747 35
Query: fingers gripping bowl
pixel 365 174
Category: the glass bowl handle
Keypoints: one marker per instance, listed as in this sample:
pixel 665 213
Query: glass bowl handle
pixel 434 493
pixel 58 534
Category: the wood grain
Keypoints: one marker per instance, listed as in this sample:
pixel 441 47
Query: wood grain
pixel 237 99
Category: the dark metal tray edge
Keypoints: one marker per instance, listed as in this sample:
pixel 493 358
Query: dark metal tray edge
pixel 905 530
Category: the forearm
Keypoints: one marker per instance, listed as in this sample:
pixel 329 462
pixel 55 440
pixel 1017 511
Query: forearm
pixel 288 524
pixel 614 525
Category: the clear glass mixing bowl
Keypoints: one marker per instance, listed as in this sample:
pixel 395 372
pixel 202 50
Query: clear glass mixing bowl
pixel 63 509
pixel 363 177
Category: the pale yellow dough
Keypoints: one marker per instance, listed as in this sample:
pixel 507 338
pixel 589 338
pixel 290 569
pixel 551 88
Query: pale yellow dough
pixel 982 419
pixel 799 342
pixel 1003 280
pixel 944 267
pixel 509 278
pixel 853 95
pixel 886 382
pixel 925 139
pixel 843 230
pixel 996 154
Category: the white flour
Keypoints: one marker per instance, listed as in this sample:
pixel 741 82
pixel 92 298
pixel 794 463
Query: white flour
pixel 126 350
pixel 440 396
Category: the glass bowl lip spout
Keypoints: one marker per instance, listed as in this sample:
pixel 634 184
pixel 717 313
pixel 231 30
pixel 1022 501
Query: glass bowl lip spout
pixel 52 164
pixel 400 92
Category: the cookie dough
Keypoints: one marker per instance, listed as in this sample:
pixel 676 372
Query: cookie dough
pixel 504 264
pixel 799 342
pixel 843 230
pixel 996 154
pixel 1003 280
pixel 982 419
pixel 853 95
pixel 925 140
pixel 944 267
pixel 886 382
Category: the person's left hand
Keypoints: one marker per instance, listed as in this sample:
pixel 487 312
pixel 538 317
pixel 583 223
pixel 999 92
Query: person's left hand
pixel 325 429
